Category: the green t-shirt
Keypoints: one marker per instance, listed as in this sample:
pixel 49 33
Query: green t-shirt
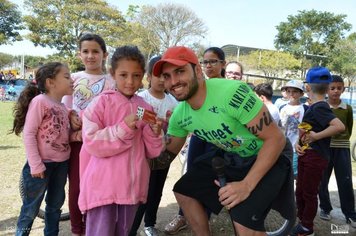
pixel 229 105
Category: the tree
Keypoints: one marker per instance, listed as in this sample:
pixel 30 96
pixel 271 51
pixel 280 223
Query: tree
pixel 311 32
pixel 5 60
pixel 169 25
pixel 343 58
pixel 10 22
pixel 34 61
pixel 272 63
pixel 59 23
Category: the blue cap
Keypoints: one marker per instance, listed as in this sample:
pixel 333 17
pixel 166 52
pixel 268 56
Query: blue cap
pixel 318 75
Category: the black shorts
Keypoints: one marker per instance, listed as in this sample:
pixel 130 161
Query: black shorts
pixel 198 183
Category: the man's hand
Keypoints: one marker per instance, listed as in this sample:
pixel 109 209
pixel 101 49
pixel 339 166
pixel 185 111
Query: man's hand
pixel 233 193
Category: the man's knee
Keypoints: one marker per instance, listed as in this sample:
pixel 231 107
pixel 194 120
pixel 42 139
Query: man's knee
pixel 181 197
pixel 243 230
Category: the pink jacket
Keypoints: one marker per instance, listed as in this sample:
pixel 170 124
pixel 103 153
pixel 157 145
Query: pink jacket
pixel 113 164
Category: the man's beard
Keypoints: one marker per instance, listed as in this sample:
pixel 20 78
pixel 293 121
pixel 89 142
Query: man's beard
pixel 193 88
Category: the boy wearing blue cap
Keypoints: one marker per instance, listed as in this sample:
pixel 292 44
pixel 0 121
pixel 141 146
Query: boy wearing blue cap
pixel 318 125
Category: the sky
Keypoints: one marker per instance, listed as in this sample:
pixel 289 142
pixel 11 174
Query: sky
pixel 245 23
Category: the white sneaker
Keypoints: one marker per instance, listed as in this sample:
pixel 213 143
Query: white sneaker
pixel 150 231
pixel 177 224
pixel 324 215
pixel 351 221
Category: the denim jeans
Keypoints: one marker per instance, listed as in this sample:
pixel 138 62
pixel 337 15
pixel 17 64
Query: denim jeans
pixel 34 190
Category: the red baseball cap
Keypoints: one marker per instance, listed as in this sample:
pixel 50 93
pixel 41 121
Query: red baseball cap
pixel 178 56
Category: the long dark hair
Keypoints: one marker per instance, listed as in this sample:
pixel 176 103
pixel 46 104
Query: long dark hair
pixel 47 71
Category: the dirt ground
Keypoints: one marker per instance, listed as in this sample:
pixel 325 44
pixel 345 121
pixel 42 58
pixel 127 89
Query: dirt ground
pixel 10 203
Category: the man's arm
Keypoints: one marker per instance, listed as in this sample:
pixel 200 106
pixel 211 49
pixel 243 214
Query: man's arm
pixel 273 143
pixel 266 129
pixel 174 144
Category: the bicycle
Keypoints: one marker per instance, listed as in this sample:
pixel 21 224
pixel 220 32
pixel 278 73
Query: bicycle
pixel 277 225
pixel 41 213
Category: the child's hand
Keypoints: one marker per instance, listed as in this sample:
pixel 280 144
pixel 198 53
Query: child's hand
pixel 75 121
pixel 157 127
pixel 76 136
pixel 38 175
pixel 131 120
pixel 299 149
pixel 311 137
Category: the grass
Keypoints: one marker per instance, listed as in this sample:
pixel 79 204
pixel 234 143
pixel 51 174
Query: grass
pixel 12 158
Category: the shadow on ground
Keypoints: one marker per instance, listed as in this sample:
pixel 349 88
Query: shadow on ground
pixel 5 147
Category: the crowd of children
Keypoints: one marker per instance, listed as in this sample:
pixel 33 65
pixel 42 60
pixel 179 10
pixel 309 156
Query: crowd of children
pixel 86 125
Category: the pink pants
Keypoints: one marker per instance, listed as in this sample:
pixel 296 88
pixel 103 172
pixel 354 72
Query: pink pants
pixel 110 220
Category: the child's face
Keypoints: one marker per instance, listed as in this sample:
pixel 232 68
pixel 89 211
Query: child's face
pixel 92 56
pixel 335 90
pixel 294 94
pixel 214 67
pixel 63 84
pixel 128 76
pixel 157 83
pixel 284 94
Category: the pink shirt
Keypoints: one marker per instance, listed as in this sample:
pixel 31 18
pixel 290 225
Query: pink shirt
pixel 86 87
pixel 46 133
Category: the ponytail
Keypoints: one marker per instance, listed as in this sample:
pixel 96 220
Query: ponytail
pixel 21 107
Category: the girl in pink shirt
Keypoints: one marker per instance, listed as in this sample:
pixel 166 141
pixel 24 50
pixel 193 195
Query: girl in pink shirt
pixel 44 121
pixel 87 85
pixel 116 143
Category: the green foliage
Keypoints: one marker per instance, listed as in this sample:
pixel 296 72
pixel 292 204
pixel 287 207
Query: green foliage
pixel 272 63
pixel 10 22
pixel 311 32
pixel 5 60
pixel 73 62
pixel 343 58
pixel 34 61
pixel 59 23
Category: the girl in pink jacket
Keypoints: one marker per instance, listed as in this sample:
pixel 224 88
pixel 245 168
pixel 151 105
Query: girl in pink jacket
pixel 114 170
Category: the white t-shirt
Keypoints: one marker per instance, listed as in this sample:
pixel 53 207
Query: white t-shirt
pixel 160 106
pixel 280 102
pixel 274 112
pixel 291 117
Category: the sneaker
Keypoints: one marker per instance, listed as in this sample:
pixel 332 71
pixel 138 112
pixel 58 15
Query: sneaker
pixel 299 230
pixel 324 215
pixel 150 231
pixel 351 221
pixel 176 225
